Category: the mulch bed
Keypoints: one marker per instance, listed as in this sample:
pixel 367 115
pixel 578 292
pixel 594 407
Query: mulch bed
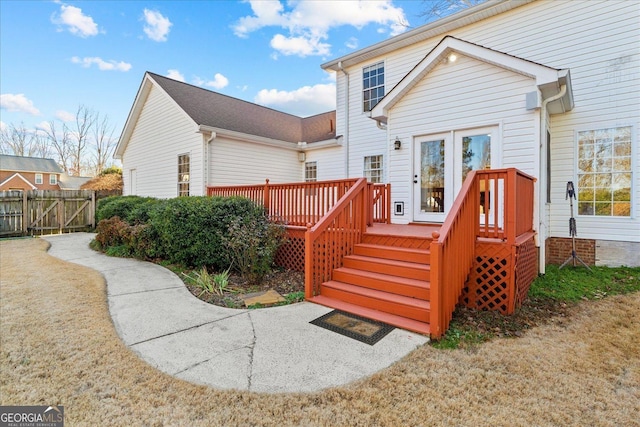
pixel 282 281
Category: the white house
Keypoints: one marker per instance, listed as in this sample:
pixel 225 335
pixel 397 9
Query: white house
pixel 549 87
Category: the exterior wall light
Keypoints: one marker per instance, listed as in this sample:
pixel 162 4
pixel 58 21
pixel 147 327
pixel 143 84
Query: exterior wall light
pixel 397 144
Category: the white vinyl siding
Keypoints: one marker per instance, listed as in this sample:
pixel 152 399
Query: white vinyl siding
pixel 234 162
pixel 330 162
pixel 596 40
pixel 163 132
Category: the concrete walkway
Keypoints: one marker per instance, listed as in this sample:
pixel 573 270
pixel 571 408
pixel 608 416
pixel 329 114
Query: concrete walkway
pixel 272 350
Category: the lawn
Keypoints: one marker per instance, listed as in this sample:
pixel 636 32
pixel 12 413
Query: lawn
pixel 58 346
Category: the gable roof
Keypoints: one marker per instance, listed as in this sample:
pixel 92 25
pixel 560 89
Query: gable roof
pixel 20 177
pixel 436 28
pixel 28 164
pixel 549 80
pixel 214 110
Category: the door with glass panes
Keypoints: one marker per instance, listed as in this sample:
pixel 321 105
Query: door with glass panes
pixel 442 162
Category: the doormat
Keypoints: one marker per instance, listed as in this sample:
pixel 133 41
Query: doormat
pixel 350 325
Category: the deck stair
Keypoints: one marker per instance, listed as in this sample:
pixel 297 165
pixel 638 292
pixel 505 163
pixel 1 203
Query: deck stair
pixel 385 279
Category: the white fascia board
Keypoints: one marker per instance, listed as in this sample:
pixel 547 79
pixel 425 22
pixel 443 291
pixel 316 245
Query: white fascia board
pixel 327 143
pixel 245 137
pixel 442 26
pixel 543 75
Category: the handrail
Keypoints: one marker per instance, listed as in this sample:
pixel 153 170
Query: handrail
pixel 297 203
pixel 506 199
pixel 334 236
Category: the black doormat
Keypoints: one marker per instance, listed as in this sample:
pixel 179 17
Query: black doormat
pixel 350 325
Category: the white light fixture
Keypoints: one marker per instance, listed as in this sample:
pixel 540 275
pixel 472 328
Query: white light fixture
pixel 397 143
pixel 452 57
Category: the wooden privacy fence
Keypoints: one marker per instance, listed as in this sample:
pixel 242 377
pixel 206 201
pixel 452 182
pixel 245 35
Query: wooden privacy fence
pixel 46 211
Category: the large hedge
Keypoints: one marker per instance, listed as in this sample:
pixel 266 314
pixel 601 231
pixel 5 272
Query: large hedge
pixel 131 209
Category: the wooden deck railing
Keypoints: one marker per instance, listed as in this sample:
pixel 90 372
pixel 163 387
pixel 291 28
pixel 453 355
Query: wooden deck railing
pixel 303 203
pixel 334 236
pixel 492 204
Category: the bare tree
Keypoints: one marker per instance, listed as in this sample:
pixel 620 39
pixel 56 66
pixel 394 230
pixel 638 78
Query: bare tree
pixel 435 9
pixel 103 141
pixel 80 133
pixel 60 141
pixel 20 141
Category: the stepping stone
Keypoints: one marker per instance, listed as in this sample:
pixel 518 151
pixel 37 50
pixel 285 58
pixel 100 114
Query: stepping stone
pixel 266 298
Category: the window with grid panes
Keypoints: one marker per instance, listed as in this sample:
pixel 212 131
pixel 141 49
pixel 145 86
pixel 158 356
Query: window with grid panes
pixel 604 172
pixel 372 85
pixel 184 175
pixel 373 168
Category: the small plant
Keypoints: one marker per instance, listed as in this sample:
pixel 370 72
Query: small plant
pixel 221 281
pixel 202 280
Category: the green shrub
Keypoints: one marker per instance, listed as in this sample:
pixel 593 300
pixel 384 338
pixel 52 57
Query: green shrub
pixel 131 209
pixel 191 229
pixel 252 241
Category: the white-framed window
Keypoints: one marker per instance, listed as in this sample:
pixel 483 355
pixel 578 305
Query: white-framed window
pixel 373 168
pixel 53 179
pixel 184 175
pixel 372 85
pixel 39 179
pixel 604 171
pixel 310 171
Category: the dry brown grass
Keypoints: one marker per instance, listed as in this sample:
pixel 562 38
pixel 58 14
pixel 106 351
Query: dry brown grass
pixel 59 347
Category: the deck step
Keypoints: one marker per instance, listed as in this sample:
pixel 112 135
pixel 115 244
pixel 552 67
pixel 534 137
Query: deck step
pixel 383 282
pixel 409 270
pixel 391 319
pixel 412 308
pixel 391 252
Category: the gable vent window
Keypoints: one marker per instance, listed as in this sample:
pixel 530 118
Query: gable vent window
pixel 183 175
pixel 372 85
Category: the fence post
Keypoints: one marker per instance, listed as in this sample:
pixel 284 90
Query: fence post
pixel 25 212
pixel 93 209
pixel 265 197
pixel 308 264
pixel 436 283
pixel 511 208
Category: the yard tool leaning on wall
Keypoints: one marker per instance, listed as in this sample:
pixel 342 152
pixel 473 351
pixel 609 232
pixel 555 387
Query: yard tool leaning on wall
pixel 573 231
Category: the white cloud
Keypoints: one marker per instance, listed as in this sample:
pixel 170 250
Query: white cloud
pixel 301 46
pixel 18 103
pixel 308 22
pixel 305 101
pixel 175 75
pixel 43 127
pixel 156 26
pixel 76 22
pixel 219 81
pixel 103 65
pixel 65 116
pixel 352 43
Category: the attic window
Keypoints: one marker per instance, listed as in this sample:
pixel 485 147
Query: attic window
pixel 372 85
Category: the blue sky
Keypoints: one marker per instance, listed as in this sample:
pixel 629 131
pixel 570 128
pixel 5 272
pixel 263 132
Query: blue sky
pixel 57 55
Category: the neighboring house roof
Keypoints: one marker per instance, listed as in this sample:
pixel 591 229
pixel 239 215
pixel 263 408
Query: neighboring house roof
pixel 67 182
pixel 215 110
pixel 28 164
pixel 549 80
pixel 439 27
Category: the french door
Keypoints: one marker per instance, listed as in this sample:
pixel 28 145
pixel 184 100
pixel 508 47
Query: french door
pixel 443 161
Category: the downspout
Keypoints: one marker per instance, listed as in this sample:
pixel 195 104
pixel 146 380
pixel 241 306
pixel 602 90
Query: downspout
pixel 346 119
pixel 207 159
pixel 542 193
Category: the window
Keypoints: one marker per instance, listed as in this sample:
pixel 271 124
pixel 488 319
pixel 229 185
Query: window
pixel 53 179
pixel 39 178
pixel 183 175
pixel 373 168
pixel 604 172
pixel 372 85
pixel 311 172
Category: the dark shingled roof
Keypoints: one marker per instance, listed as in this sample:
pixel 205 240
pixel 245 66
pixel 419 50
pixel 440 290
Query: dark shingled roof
pixel 213 109
pixel 28 164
